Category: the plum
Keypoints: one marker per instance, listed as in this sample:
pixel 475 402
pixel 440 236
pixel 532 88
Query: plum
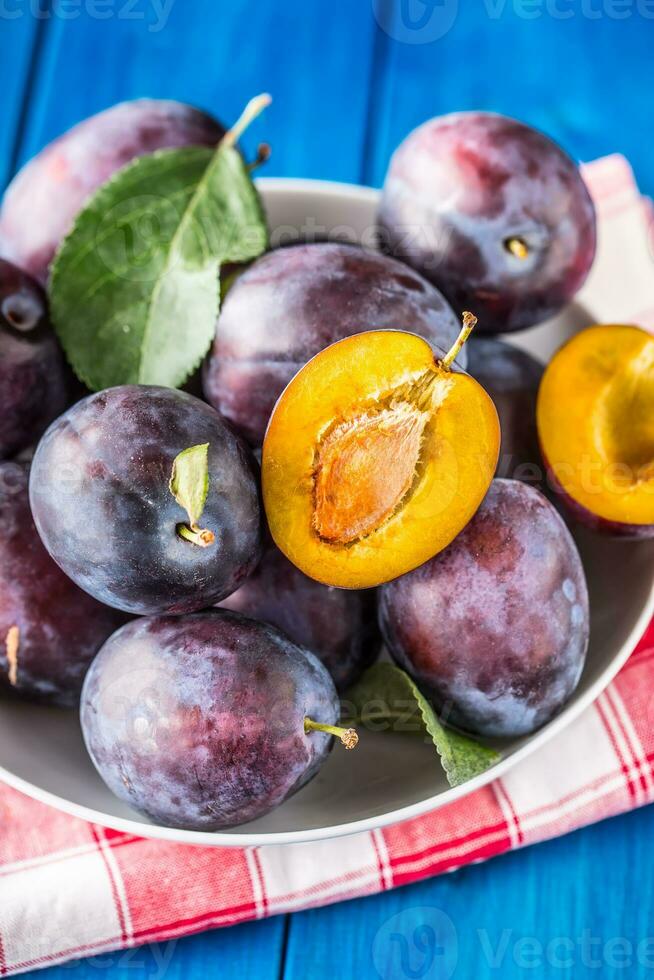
pixel 495 628
pixel 293 302
pixel 49 629
pixel 511 377
pixel 32 373
pixel 42 201
pixel 492 212
pixel 338 625
pixel 200 721
pixel 105 507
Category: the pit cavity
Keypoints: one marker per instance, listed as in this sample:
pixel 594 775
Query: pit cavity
pixel 625 419
pixel 366 465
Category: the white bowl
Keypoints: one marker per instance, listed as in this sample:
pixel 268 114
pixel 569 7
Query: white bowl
pixel 389 777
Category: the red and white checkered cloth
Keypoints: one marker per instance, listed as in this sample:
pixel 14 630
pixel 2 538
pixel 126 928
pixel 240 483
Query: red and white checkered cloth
pixel 70 889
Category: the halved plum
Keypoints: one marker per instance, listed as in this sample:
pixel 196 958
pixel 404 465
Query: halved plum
pixel 596 427
pixel 377 454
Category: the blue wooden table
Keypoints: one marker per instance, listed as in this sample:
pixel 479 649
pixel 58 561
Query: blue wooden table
pixel 350 78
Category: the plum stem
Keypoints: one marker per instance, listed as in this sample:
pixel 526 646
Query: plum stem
pixel 254 107
pixel 517 247
pixel 189 485
pixel 263 155
pixel 469 322
pixel 348 736
pixel 196 535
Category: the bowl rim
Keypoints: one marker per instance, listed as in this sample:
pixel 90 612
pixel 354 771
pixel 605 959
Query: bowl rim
pixel 307 187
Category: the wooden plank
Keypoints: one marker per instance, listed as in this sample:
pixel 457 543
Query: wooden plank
pixel 21 35
pixel 314 58
pixel 579 906
pixel 582 79
pixel 252 951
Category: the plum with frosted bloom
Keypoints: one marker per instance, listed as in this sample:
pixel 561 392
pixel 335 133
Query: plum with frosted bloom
pixel 42 201
pixel 495 628
pixel 209 720
pixel 492 212
pixel 292 303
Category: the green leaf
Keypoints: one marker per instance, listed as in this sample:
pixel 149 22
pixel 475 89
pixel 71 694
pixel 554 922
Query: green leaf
pixel 134 289
pixel 189 481
pixel 387 694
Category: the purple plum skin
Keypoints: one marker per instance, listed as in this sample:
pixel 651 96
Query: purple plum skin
pixel 511 377
pixel 32 373
pixel 292 303
pixel 60 628
pixel 495 628
pixel 42 201
pixel 459 187
pixel 337 625
pixel 586 518
pixel 101 501
pixel 198 721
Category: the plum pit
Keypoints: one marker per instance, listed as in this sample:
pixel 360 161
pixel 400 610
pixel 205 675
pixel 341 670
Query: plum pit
pixel 365 468
pixel 367 465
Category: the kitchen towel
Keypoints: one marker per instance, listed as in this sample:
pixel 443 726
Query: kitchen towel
pixel 70 888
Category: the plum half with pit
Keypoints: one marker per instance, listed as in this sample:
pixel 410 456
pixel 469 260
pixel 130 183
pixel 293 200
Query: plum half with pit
pixel 292 303
pixel 207 721
pixel 32 373
pixel 338 625
pixel 494 213
pixel 49 629
pixel 376 456
pixel 511 377
pixel 495 628
pixel 147 500
pixel 42 201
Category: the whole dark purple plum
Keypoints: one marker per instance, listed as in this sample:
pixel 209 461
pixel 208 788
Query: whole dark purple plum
pixel 292 303
pixel 492 212
pixel 42 201
pixel 100 495
pixel 49 629
pixel 495 628
pixel 199 721
pixel 32 373
pixel 338 625
pixel 511 377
